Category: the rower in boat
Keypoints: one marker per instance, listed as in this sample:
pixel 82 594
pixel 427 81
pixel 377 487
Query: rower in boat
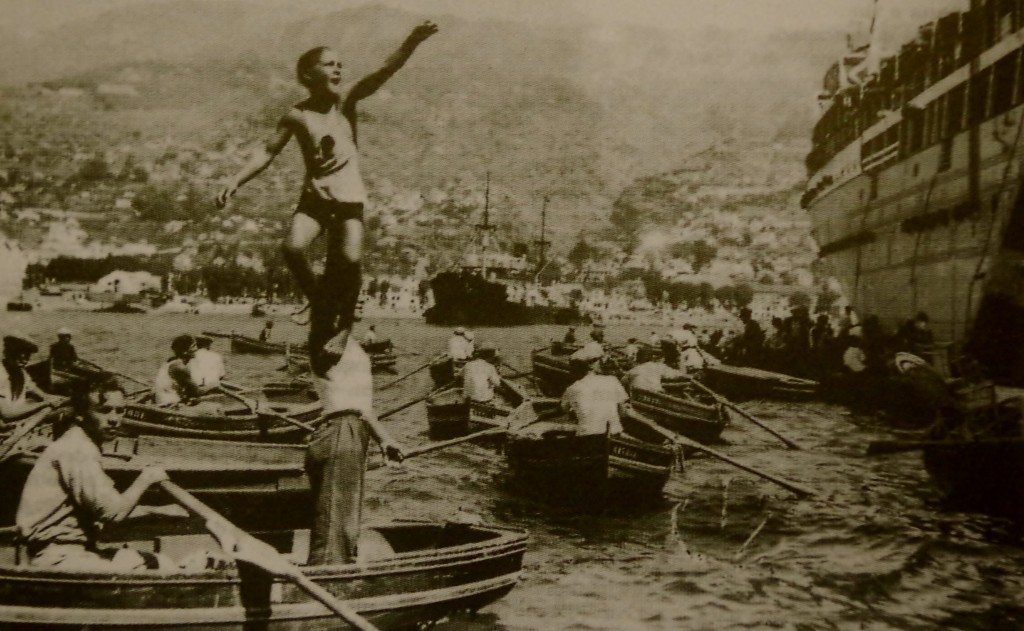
pixel 596 344
pixel 207 365
pixel 174 383
pixel 267 331
pixel 692 358
pixel 62 352
pixel 336 458
pixel 19 394
pixel 570 337
pixel 371 335
pixel 649 373
pixel 630 350
pixel 459 345
pixel 596 401
pixel 480 377
pixel 67 496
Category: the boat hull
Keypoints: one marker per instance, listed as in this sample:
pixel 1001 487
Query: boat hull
pixel 702 422
pixel 254 485
pixel 467 299
pixel 595 470
pixel 744 383
pixel 231 422
pixel 437 569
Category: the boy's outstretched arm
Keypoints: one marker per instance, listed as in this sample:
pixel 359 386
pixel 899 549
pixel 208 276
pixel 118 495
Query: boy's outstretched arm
pixel 372 82
pixel 260 159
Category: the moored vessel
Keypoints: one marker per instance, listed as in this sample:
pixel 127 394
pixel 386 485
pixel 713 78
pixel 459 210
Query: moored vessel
pixel 914 181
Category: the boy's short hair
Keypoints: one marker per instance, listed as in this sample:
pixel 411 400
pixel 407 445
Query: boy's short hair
pixel 82 392
pixel 306 61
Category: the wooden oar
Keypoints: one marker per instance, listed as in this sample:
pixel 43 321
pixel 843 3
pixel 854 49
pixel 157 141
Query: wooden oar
pixel 215 334
pixel 683 440
pixel 21 431
pixel 493 431
pixel 267 412
pixel 747 415
pixel 394 411
pixel 401 379
pixel 242 546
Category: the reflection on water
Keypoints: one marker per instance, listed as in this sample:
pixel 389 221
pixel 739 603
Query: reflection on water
pixel 873 549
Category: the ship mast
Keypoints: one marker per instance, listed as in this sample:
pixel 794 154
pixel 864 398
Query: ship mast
pixel 542 242
pixel 484 229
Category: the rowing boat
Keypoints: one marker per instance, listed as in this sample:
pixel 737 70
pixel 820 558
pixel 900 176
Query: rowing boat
pixel 691 414
pixel 223 417
pixel 444 370
pixel 450 414
pixel 414 574
pixel 255 485
pixel 245 344
pixel 61 380
pixel 298 361
pixel 745 382
pixel 548 458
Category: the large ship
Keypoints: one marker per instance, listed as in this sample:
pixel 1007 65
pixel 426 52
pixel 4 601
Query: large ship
pixel 914 185
pixel 478 292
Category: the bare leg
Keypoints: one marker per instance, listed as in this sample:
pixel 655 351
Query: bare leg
pixel 339 287
pixel 304 229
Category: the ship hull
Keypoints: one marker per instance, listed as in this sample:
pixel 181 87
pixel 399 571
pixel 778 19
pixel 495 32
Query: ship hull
pixel 467 299
pixel 939 231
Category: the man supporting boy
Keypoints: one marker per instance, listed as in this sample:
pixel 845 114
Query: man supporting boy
pixel 333 195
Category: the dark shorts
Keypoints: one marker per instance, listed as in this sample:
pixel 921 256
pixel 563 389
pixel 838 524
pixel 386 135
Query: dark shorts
pixel 328 212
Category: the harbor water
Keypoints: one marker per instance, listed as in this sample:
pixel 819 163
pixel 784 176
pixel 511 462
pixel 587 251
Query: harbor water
pixel 873 549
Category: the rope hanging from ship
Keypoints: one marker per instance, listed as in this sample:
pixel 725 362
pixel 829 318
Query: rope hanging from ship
pixel 986 252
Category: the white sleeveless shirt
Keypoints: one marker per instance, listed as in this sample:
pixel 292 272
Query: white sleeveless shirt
pixel 323 137
pixel 165 391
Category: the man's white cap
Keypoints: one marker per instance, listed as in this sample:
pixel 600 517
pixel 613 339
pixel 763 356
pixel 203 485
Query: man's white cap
pixel 468 335
pixel 459 330
pixel 684 338
pixel 64 331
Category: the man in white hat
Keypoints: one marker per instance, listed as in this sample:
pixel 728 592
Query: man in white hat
pixel 691 357
pixel 62 352
pixel 336 457
pixel 458 345
pixel 596 401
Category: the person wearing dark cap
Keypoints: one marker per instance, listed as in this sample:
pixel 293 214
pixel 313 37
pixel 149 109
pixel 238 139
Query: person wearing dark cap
pixel 915 336
pixel 570 336
pixel 268 328
pixel 750 350
pixel 62 352
pixel 174 382
pixel 206 366
pixel 19 395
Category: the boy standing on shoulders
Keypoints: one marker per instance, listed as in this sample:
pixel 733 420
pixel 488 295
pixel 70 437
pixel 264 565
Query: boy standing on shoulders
pixel 333 195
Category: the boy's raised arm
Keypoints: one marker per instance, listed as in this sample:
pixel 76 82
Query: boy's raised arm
pixel 372 82
pixel 261 158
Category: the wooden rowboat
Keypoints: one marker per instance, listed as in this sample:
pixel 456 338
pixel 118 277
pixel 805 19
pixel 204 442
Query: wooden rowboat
pixel 61 380
pixel 245 344
pixel 683 412
pixel 449 414
pixel 444 370
pixel 550 460
pixel 982 475
pixel 745 382
pixel 551 368
pixel 221 417
pixel 255 485
pixel 421 573
pixel 298 361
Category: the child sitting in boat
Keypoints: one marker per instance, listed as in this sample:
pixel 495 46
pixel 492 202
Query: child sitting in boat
pixel 68 497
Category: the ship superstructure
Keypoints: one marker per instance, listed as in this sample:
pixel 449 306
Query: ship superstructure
pixel 914 181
